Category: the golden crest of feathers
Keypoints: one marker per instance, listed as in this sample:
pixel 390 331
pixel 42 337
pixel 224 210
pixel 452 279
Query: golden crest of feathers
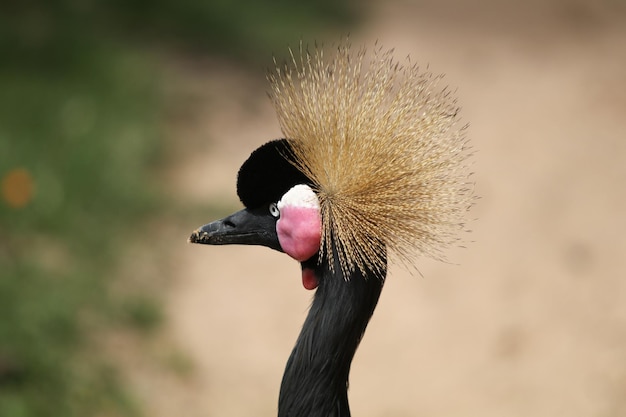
pixel 382 145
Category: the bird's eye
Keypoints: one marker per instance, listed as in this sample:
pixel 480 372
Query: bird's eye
pixel 274 210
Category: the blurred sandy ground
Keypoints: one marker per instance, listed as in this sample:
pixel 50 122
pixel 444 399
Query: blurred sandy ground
pixel 530 320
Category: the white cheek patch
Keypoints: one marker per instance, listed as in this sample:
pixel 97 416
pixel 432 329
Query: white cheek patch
pixel 299 227
pixel 300 195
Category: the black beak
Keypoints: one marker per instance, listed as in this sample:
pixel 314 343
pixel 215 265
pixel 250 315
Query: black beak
pixel 245 227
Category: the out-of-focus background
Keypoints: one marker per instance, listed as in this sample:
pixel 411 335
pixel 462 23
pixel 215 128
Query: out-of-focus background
pixel 122 127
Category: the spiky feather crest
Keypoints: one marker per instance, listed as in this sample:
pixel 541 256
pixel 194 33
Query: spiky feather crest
pixel 381 143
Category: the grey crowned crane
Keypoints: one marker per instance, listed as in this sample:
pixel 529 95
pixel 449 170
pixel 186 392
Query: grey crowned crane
pixel 373 164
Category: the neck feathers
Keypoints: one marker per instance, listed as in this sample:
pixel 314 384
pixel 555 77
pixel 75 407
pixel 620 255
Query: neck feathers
pixel 315 382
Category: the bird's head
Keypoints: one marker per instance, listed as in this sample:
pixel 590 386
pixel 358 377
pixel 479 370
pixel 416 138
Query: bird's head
pixel 282 210
pixel 375 163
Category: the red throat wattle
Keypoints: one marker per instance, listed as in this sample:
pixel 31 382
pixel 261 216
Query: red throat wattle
pixel 309 280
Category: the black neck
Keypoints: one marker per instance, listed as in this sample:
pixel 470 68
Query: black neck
pixel 315 382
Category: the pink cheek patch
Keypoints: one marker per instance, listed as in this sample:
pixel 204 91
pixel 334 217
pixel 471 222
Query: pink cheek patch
pixel 299 231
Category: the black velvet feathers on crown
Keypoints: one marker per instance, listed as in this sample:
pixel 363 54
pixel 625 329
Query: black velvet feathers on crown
pixel 267 174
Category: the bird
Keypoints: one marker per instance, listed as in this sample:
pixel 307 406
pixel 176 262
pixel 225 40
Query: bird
pixel 372 169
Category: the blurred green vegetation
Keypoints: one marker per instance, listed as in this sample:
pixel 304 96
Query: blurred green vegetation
pixel 80 142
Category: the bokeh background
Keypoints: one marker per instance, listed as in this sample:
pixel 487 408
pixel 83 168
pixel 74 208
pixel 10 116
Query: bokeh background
pixel 122 127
